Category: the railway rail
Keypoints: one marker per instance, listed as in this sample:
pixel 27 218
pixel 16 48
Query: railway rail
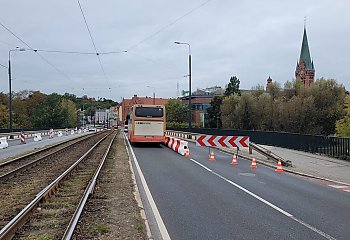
pixel 20 183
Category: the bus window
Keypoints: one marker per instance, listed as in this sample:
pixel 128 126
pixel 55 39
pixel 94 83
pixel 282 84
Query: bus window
pixel 149 112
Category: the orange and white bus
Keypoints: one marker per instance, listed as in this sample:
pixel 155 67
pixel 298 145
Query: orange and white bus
pixel 147 123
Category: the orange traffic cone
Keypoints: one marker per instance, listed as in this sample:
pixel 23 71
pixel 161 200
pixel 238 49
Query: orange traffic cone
pixel 253 165
pixel 212 158
pixel 234 160
pixel 279 166
pixel 187 153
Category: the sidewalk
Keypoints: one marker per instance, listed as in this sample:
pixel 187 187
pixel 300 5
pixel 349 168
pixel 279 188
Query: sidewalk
pixel 306 163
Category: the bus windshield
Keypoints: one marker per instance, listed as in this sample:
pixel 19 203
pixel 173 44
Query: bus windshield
pixel 149 112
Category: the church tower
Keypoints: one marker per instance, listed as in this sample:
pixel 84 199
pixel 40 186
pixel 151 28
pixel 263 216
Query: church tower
pixel 305 71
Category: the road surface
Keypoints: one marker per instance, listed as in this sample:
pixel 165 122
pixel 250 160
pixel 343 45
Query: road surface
pixel 200 199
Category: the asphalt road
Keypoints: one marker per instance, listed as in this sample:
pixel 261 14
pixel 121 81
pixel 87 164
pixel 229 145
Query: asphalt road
pixel 200 199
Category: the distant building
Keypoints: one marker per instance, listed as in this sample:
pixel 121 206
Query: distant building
pixel 216 90
pixel 125 106
pixel 305 70
pixel 200 101
pixel 101 116
pixel 113 117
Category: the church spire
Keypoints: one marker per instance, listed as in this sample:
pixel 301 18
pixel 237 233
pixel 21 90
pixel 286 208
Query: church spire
pixel 305 52
pixel 305 70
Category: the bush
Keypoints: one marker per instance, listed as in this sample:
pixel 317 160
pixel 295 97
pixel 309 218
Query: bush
pixel 176 125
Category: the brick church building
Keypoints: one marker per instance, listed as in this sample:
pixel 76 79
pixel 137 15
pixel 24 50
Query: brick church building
pixel 305 71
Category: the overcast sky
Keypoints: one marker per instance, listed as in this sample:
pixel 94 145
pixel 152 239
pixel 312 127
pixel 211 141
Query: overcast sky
pixel 249 39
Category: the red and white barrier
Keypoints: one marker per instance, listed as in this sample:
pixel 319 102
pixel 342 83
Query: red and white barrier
pixel 222 141
pixel 177 145
pixel 22 138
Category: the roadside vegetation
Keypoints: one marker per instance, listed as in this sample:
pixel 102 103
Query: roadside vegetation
pixel 33 109
pixel 321 109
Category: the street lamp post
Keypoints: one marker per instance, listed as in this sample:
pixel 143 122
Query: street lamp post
pixel 189 83
pixel 10 87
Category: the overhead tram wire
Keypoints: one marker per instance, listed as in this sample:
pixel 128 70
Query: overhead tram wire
pixel 47 61
pixel 66 52
pixel 168 25
pixel 75 52
pixel 158 63
pixel 3 66
pixel 93 43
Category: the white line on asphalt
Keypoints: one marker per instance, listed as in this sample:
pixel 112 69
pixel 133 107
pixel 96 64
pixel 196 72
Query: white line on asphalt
pixel 162 229
pixel 338 186
pixel 267 202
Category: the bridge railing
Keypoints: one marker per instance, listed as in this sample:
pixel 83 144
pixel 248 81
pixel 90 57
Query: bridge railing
pixel 336 147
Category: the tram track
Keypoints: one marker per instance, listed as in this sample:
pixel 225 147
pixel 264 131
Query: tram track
pixel 25 185
pixel 26 160
pixel 51 218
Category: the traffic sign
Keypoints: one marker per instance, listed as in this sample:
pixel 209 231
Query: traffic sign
pixel 222 141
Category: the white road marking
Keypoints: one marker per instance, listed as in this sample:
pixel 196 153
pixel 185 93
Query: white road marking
pixel 325 235
pixel 162 229
pixel 338 186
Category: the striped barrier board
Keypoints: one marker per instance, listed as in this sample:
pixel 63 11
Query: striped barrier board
pixel 222 141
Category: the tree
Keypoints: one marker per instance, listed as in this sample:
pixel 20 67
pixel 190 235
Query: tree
pixel 233 86
pixel 343 125
pixel 329 104
pixel 24 103
pixel 176 111
pixel 245 112
pixel 4 116
pixel 69 109
pixel 264 112
pixel 228 107
pixel 51 114
pixel 274 89
pixel 214 112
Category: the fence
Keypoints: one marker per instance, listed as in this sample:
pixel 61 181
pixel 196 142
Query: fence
pixel 331 146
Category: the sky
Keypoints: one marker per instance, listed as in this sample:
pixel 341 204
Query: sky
pixel 250 39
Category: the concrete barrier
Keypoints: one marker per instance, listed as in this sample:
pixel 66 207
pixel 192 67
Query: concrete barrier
pixel 177 145
pixel 37 137
pixel 3 143
pixel 182 148
pixel 167 139
pixel 59 134
pixel 72 132
pixel 51 133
